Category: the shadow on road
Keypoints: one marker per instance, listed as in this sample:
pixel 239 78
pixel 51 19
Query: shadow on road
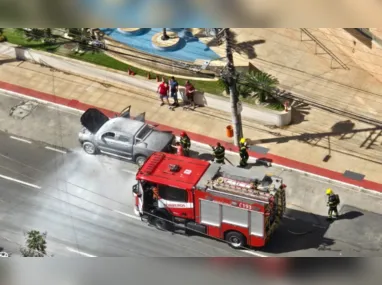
pixel 299 231
pixel 350 215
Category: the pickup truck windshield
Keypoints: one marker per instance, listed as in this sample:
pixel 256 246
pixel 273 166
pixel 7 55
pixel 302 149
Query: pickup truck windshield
pixel 144 132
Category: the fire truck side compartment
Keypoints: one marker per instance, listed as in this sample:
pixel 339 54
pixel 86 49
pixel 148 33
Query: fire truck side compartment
pixel 226 218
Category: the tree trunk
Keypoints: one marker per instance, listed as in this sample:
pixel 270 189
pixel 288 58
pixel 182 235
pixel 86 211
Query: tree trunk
pixel 165 36
pixel 234 96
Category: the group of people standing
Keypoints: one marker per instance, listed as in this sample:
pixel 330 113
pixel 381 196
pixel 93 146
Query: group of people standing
pixel 219 153
pixel 184 145
pixel 172 88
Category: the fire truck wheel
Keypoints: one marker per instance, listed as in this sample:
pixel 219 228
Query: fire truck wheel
pixel 161 223
pixel 235 239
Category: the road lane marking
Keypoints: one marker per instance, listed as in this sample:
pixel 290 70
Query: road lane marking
pixel 127 215
pixel 254 253
pixel 80 252
pixel 19 181
pixel 55 149
pixel 289 218
pixel 319 226
pixel 20 139
pixel 129 171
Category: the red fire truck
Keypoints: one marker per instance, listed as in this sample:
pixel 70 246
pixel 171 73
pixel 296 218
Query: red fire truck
pixel 241 206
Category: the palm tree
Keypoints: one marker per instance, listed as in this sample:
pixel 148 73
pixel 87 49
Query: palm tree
pixel 82 37
pixel 34 34
pixel 261 83
pixel 165 36
pixel 35 244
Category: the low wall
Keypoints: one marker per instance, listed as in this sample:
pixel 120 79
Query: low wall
pixel 257 113
pixel 263 115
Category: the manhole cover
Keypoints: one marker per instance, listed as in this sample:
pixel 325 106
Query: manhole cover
pixel 23 109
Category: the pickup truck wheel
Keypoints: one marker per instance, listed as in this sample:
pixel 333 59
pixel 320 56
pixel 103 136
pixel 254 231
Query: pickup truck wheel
pixel 140 160
pixel 89 148
pixel 235 239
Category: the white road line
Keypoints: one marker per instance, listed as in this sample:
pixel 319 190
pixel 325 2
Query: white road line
pixel 129 171
pixel 20 139
pixel 48 104
pixel 254 253
pixel 55 149
pixel 289 218
pixel 80 252
pixel 127 215
pixel 319 226
pixel 19 181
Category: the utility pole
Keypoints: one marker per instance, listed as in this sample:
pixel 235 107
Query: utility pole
pixel 230 78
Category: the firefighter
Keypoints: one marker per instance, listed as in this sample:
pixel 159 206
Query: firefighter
pixel 155 192
pixel 185 142
pixel 219 153
pixel 179 148
pixel 333 202
pixel 243 153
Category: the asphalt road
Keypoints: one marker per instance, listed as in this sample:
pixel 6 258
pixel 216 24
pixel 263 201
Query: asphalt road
pixel 84 202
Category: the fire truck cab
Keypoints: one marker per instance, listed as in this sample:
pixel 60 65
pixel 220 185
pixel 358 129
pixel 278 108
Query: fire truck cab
pixel 237 205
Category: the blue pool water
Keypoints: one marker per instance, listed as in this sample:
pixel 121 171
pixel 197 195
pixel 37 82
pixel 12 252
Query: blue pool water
pixel 189 48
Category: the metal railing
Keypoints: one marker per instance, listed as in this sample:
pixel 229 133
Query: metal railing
pixel 328 51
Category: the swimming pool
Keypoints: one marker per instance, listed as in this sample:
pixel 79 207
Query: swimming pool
pixel 189 49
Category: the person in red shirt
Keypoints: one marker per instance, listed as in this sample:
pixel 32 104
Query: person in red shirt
pixel 190 90
pixel 179 149
pixel 163 92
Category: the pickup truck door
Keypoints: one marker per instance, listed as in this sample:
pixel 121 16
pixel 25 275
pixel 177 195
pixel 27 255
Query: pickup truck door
pixel 124 145
pixel 107 143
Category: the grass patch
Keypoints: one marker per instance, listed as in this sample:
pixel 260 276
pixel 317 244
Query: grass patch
pixel 99 58
pixel 17 36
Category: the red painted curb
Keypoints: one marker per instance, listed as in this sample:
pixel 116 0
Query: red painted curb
pixel 200 138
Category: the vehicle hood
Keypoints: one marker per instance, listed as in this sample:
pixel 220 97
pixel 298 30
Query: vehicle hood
pixel 93 120
pixel 159 140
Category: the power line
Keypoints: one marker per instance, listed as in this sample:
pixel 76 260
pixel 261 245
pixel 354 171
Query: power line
pixel 126 48
pixel 307 52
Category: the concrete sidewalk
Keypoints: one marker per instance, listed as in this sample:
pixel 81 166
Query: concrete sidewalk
pixel 301 146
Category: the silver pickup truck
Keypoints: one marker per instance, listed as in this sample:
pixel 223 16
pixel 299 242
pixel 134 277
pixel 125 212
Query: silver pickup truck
pixel 122 136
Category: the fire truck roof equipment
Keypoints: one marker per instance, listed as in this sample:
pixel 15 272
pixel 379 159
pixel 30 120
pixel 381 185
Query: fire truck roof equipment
pixel 167 169
pixel 225 179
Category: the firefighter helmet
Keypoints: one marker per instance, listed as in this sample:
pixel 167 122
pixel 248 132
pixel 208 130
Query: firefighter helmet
pixel 329 191
pixel 182 134
pixel 243 140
